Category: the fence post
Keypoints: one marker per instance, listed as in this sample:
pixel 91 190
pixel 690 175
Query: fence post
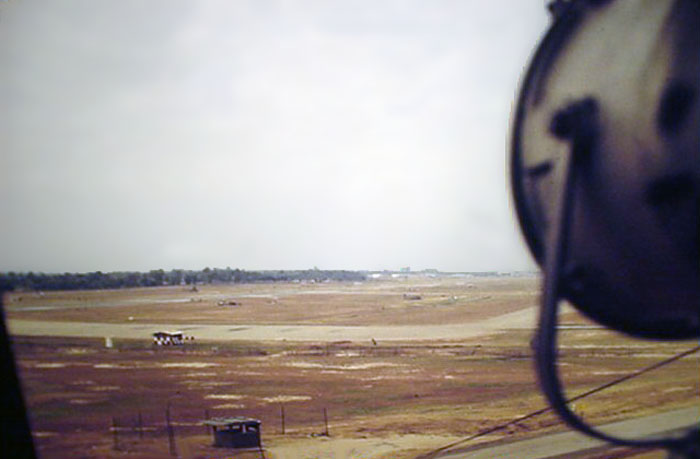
pixel 282 415
pixel 115 434
pixel 140 426
pixel 325 420
pixel 171 432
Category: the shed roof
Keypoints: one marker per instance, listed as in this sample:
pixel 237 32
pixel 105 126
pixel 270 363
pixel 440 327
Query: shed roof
pixel 231 421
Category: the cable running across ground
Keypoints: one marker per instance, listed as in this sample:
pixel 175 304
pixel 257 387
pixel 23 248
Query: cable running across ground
pixel 533 414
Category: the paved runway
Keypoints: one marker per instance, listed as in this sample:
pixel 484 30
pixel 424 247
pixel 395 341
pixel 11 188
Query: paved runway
pixel 523 319
pixel 556 445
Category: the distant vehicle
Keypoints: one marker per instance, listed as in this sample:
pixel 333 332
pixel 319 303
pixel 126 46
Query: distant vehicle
pixel 170 338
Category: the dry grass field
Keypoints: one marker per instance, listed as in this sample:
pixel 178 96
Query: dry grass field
pixel 442 300
pixel 391 399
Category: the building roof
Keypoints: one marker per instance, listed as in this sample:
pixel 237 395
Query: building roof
pixel 231 421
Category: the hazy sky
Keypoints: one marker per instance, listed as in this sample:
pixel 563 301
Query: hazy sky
pixel 260 134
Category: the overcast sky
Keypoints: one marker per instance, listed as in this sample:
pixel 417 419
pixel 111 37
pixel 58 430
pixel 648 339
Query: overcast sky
pixel 260 134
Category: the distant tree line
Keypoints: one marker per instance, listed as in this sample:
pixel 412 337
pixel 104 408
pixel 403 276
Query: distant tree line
pixel 158 277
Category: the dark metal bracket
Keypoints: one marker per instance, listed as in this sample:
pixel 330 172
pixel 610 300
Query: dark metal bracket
pixel 577 124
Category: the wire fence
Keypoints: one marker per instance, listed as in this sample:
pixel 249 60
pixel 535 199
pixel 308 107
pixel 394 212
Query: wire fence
pixel 127 431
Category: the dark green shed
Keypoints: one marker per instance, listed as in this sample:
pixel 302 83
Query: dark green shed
pixel 235 432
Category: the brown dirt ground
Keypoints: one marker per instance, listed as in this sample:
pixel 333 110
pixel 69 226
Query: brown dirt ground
pixel 397 400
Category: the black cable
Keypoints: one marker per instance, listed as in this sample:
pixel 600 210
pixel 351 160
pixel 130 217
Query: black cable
pixel 634 374
pixel 596 389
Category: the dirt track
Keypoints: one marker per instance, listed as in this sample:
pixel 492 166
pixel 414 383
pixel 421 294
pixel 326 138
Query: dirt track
pixel 523 319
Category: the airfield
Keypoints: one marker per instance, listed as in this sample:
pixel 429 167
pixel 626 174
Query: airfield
pixel 394 367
